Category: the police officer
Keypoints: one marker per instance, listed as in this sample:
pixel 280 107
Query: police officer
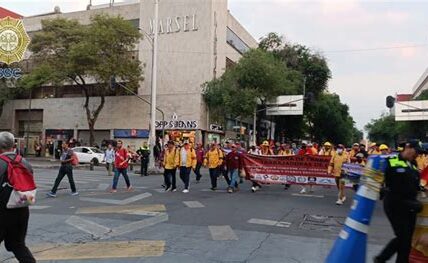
pixel 402 184
pixel 144 153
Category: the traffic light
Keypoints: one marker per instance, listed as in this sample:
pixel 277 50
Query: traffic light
pixel 390 101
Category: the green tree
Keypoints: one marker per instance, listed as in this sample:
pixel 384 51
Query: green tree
pixel 87 56
pixel 257 77
pixel 384 130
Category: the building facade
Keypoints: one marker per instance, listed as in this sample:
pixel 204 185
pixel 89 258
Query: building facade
pixel 197 40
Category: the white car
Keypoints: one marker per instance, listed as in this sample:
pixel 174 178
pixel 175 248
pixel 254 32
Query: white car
pixel 89 154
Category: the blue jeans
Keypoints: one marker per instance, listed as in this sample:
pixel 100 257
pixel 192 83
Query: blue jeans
pixel 233 178
pixel 117 173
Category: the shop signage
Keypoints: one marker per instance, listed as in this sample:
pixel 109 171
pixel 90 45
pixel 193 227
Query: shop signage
pixel 175 24
pixel 216 127
pixel 177 124
pixel 131 133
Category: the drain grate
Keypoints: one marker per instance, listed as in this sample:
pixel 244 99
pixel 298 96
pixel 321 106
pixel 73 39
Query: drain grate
pixel 322 223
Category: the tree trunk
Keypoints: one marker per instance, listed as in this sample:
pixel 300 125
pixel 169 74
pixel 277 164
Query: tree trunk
pixel 92 116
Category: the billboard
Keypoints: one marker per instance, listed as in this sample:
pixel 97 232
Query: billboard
pixel 286 105
pixel 414 110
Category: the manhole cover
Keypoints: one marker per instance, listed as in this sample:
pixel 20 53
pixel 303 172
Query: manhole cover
pixel 323 223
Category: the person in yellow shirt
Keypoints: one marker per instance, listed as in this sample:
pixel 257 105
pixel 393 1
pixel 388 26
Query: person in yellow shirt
pixel 374 149
pixel 186 160
pixel 213 160
pixel 422 161
pixel 335 169
pixel 384 150
pixel 285 150
pixel 170 167
pixel 354 151
pixel 327 150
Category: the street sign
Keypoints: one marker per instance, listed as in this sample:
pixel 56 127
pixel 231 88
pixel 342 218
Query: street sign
pixel 286 105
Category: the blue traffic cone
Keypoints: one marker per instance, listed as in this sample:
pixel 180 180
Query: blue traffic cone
pixel 351 245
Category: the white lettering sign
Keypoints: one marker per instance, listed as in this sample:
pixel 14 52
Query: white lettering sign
pixel 176 24
pixel 176 124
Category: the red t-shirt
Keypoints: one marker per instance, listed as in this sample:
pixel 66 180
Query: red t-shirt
pixel 121 160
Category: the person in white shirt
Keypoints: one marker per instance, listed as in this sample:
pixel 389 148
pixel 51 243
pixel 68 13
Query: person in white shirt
pixel 254 150
pixel 109 159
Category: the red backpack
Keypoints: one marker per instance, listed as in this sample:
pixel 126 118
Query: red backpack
pixel 21 180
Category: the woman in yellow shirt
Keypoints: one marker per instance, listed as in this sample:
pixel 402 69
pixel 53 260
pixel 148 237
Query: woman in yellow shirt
pixel 170 166
pixel 213 159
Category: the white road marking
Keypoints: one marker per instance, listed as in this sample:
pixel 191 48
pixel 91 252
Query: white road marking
pixel 269 222
pixel 134 226
pixel 308 195
pixel 88 226
pixel 222 233
pixel 39 207
pixel 103 186
pixel 218 190
pixel 115 201
pixel 193 204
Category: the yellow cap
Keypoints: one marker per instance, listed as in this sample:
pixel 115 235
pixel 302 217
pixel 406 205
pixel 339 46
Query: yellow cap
pixel 327 144
pixel 383 147
pixel 265 143
pixel 372 144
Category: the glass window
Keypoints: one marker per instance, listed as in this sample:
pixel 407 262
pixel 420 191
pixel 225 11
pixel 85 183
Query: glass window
pixel 135 22
pixel 78 150
pixel 95 150
pixel 237 43
pixel 85 150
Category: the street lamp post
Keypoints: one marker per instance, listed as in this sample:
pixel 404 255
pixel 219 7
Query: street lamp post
pixel 152 135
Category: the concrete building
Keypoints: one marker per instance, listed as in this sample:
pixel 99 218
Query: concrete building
pixel 198 40
pixel 421 84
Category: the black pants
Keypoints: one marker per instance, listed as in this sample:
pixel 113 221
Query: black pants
pixel 213 177
pixel 198 171
pixel 403 223
pixel 144 166
pixel 185 175
pixel 225 174
pixel 169 174
pixel 13 229
pixel 63 171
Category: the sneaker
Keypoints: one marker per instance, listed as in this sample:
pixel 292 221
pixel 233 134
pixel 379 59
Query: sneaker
pixel 185 191
pixel 50 194
pixel 174 190
pixel 253 189
pixel 75 193
pixel 229 190
pixel 303 191
pixel 167 189
pixel 343 199
pixel 213 188
pixel 339 202
pixel 113 191
pixel 130 188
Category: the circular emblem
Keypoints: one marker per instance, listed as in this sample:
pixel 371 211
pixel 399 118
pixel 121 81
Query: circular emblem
pixel 13 40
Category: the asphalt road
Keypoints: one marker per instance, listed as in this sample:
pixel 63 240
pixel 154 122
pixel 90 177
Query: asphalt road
pixel 150 225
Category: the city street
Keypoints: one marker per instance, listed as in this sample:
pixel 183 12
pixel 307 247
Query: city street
pixel 149 225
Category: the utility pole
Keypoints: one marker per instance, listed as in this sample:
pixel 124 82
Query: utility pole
pixel 152 136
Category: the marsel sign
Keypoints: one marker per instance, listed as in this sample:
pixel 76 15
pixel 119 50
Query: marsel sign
pixel 175 24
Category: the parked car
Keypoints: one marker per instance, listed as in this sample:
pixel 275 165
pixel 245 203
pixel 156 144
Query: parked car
pixel 89 154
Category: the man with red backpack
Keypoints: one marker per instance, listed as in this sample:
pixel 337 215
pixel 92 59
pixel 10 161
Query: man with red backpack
pixel 13 222
pixel 67 161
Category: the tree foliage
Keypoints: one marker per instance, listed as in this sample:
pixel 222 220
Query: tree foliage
pixel 326 118
pixel 87 56
pixel 258 76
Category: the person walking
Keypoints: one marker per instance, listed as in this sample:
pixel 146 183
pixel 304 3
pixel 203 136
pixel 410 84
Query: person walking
pixel 234 165
pixel 109 159
pixel 354 151
pixel 335 169
pixel 267 151
pixel 144 153
pixel 402 184
pixel 200 153
pixel 213 160
pixel 374 149
pixel 285 150
pixel 384 150
pixel 186 162
pixel 13 222
pixel 66 168
pixel 121 167
pixel 170 167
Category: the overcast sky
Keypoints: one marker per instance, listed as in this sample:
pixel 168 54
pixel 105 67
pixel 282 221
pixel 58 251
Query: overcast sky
pixel 358 38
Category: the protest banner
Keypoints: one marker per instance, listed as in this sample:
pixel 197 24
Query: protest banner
pixel 305 169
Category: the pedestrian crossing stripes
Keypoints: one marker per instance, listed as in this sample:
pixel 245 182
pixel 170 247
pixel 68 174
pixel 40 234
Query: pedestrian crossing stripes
pixel 222 233
pixel 193 204
pixel 268 222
